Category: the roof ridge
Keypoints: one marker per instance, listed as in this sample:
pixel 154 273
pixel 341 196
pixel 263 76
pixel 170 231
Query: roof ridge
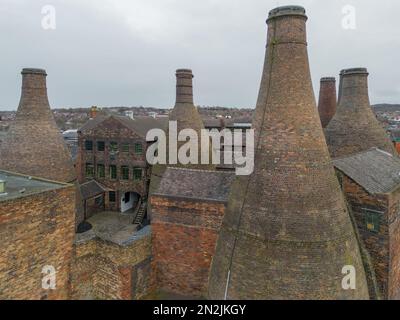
pixel 362 152
pixel 200 170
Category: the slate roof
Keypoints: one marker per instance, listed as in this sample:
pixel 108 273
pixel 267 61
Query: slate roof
pixel 140 125
pixel 91 189
pixel 196 184
pixel 375 170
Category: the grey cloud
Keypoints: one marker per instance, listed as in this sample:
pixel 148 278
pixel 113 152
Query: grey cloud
pixel 125 52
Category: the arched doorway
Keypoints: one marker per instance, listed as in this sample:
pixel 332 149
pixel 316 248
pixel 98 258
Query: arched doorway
pixel 129 201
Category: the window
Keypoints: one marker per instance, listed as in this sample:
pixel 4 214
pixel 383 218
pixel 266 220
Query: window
pixel 125 172
pixel 125 147
pixel 89 170
pixel 137 173
pixel 138 148
pixel 113 172
pixel 101 146
pixel 113 146
pixel 88 145
pixel 372 220
pixel 112 196
pixel 101 172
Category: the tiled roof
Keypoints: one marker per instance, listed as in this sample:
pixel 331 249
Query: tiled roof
pixel 196 184
pixel 91 189
pixel 375 170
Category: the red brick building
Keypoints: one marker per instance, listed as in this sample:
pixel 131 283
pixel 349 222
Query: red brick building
pixel 188 209
pixel 371 183
pixel 112 151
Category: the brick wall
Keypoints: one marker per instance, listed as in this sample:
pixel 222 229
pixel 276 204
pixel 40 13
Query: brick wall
pixel 184 238
pixel 394 249
pixel 377 244
pixel 36 231
pixel 106 271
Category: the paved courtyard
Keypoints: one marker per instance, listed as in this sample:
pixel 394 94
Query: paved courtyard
pixel 112 226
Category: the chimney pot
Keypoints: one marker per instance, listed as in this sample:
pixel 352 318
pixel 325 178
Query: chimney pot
pixel 328 79
pixel 352 71
pixel 287 11
pixel 327 100
pixel 34 71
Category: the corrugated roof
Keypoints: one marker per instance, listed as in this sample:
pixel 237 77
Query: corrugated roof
pixel 196 184
pixel 375 170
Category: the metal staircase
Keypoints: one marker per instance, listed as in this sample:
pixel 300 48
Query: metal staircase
pixel 140 214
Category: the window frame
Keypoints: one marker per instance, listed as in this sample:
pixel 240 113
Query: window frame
pixel 372 218
pixel 91 166
pixel 111 167
pixel 98 146
pixel 125 147
pixel 87 144
pixel 112 199
pixel 99 171
pixel 135 176
pixel 113 147
pixel 138 148
pixel 125 174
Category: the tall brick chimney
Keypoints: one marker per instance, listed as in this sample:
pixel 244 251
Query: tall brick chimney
pixel 327 100
pixel 287 233
pixel 34 104
pixel 187 117
pixel 34 145
pixel 184 86
pixel 185 113
pixel 354 128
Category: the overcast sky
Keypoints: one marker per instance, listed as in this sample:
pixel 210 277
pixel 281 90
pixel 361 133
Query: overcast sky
pixel 125 52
